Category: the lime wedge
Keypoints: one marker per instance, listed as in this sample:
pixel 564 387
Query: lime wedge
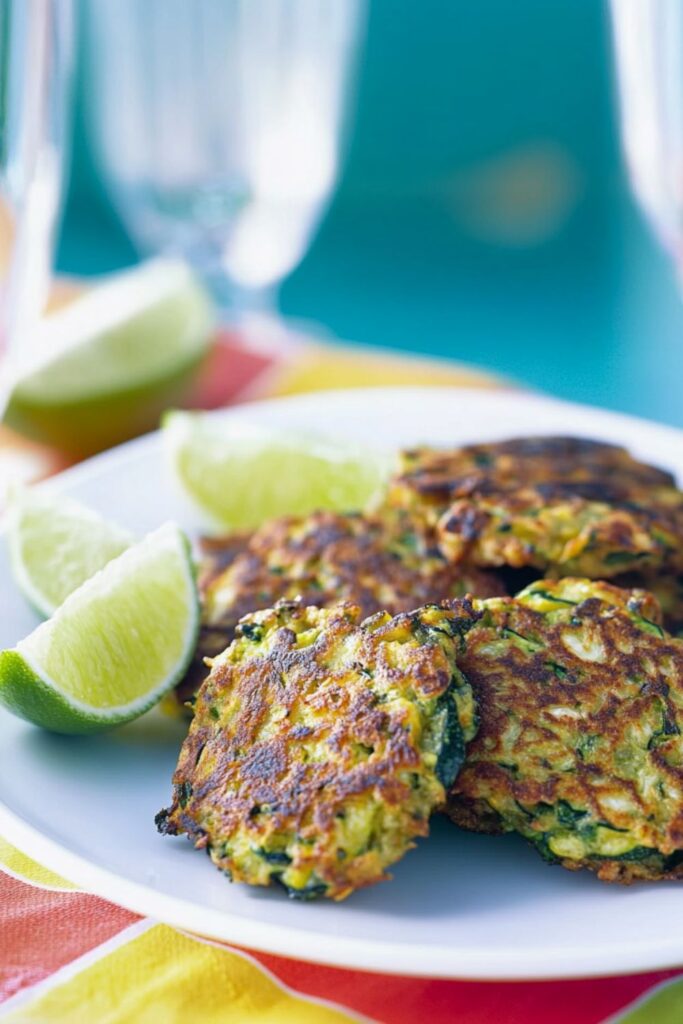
pixel 237 474
pixel 105 366
pixel 56 544
pixel 114 647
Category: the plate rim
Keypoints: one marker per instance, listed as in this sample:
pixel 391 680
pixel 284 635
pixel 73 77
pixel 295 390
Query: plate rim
pixel 139 445
pixel 332 950
pixel 371 955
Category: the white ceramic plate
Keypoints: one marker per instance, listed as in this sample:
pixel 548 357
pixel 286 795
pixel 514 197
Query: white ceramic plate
pixel 461 905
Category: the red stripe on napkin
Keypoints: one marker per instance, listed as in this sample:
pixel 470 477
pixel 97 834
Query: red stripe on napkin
pixel 43 931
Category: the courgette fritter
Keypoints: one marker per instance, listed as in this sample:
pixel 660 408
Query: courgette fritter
pixel 386 562
pixel 580 698
pixel 321 744
pixel 563 506
pixel 379 562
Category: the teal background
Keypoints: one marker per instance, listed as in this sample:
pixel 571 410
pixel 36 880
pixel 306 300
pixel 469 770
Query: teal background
pixel 482 213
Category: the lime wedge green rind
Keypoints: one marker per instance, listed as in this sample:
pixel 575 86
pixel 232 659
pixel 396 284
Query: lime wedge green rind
pixel 237 474
pixel 56 544
pixel 115 646
pixel 25 694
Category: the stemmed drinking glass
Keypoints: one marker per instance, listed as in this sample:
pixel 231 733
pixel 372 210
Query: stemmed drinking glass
pixel 218 127
pixel 648 42
pixel 36 51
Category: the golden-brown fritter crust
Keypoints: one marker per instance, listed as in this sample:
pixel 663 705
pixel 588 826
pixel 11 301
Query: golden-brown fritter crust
pixel 580 698
pixel 432 477
pixel 593 530
pixel 320 745
pixel 386 562
pixel 564 506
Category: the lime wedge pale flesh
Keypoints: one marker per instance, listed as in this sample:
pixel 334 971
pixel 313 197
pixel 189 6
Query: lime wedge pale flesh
pixel 237 474
pixel 56 544
pixel 115 646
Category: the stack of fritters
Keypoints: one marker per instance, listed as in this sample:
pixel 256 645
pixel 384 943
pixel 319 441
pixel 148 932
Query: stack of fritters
pixel 323 740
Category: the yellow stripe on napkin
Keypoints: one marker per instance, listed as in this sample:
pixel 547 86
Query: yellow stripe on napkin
pixel 324 367
pixel 20 866
pixel 164 975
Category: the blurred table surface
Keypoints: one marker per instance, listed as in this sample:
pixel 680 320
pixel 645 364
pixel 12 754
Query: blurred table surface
pixel 598 322
pixel 482 211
